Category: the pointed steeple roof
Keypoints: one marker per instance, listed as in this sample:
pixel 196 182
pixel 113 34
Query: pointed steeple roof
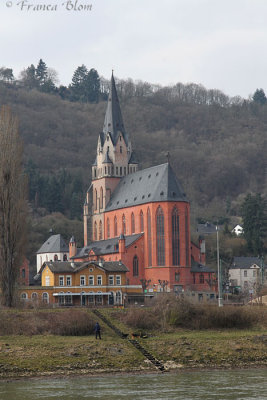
pixel 113 123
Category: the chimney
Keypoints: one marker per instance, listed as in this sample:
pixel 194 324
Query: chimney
pixel 202 247
pixel 121 244
pixel 72 247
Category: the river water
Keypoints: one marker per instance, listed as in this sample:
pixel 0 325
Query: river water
pixel 204 385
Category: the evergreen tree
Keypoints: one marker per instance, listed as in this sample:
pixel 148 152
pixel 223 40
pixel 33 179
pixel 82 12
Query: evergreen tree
pixel 41 73
pixel 85 86
pixel 92 86
pixel 78 83
pixel 254 214
pixel 29 77
pixel 259 97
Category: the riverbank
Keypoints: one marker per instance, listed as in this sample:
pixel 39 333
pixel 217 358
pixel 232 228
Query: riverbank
pixel 56 356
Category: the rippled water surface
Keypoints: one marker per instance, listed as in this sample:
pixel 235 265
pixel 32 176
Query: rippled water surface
pixel 248 384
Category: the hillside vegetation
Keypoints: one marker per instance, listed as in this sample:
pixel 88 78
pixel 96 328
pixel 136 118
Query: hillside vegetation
pixel 217 145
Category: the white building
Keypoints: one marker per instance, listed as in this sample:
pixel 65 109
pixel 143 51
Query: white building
pixel 245 273
pixel 54 249
pixel 238 230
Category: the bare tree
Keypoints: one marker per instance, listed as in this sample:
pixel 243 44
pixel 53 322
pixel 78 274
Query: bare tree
pixel 12 206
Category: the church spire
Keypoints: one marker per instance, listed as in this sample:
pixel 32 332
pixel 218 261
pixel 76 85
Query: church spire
pixel 113 123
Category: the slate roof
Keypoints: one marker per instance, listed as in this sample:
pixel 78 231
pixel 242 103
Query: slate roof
pixel 153 184
pixel 55 244
pixel 113 123
pixel 246 262
pixel 133 159
pixel 108 246
pixel 201 268
pixel 68 267
pixel 207 228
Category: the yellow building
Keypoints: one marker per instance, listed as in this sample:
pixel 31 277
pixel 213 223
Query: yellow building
pixel 88 283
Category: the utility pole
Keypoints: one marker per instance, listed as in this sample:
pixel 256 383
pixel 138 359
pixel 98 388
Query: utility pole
pixel 220 303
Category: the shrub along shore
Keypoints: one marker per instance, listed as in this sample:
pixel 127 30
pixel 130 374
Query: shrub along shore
pixel 61 342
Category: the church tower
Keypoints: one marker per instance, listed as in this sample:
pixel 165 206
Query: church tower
pixel 114 160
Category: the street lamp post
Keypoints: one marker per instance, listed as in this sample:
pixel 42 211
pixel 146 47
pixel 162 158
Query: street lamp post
pixel 220 303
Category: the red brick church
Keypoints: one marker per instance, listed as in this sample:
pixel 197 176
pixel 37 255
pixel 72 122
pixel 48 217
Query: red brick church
pixel 141 217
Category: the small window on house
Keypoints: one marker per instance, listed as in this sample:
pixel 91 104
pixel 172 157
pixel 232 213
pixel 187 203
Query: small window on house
pixel 61 281
pixel 135 266
pixel 47 281
pixel 177 276
pixel 91 299
pixel 118 298
pixel 24 296
pixel 99 280
pixel 99 299
pixel 254 273
pixel 111 280
pixel 68 280
pixel 23 273
pixel 82 280
pixel 118 280
pixel 91 280
pixel 45 298
pixel 34 296
pixel 245 273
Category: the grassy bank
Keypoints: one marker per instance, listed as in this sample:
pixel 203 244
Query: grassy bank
pixel 53 354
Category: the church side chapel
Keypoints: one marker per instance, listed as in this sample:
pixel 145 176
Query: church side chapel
pixel 140 217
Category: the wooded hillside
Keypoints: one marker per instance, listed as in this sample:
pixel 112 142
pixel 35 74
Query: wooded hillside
pixel 217 146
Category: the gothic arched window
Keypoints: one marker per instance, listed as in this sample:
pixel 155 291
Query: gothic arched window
pixel 108 228
pixel 95 200
pixel 186 238
pixel 149 239
pixel 115 226
pixel 101 197
pixel 135 266
pixel 123 225
pixel 141 221
pixel 132 223
pixel 175 238
pixel 100 230
pixel 160 237
pixel 95 231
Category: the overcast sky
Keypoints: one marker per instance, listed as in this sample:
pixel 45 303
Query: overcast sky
pixel 219 43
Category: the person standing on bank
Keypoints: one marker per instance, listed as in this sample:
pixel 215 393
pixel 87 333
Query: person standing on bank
pixel 97 330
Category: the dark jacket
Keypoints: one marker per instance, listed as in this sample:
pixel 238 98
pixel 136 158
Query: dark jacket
pixel 97 327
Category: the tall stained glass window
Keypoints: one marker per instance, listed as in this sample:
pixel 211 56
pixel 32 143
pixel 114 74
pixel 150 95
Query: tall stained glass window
pixel 141 221
pixel 160 237
pixel 132 223
pixel 115 227
pixel 175 238
pixel 149 239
